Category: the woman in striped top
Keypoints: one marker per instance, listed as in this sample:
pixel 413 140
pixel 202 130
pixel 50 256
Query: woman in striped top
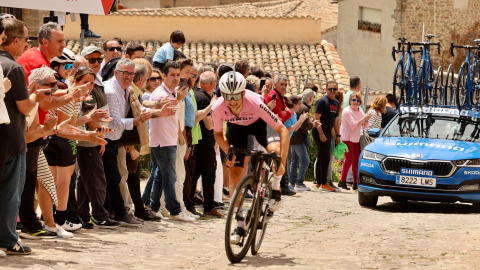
pixel 379 106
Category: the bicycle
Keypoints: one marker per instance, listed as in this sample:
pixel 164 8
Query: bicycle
pixel 425 76
pixel 253 212
pixel 404 76
pixel 468 84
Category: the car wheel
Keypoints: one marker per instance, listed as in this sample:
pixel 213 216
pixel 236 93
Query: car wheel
pixel 368 201
pixel 399 199
pixel 476 207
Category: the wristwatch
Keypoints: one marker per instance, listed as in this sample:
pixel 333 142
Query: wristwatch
pixel 339 136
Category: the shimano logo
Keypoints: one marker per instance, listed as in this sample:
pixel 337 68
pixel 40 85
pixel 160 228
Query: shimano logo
pixel 416 172
pixel 454 148
pixel 471 172
pixel 364 164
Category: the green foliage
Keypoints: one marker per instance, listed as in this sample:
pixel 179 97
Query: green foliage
pixel 144 163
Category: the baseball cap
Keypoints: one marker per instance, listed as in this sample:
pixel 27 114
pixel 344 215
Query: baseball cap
pixel 308 94
pixel 91 49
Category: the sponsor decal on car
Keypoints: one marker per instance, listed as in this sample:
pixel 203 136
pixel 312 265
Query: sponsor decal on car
pixel 416 172
pixel 454 148
pixel 365 164
pixel 471 172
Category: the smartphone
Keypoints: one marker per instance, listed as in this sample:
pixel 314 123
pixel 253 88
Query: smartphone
pixel 183 83
pixel 262 83
pixel 274 97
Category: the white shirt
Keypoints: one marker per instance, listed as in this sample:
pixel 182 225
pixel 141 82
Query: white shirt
pixel 118 104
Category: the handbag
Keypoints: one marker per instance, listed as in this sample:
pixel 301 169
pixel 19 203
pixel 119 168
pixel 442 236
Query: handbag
pixel 365 139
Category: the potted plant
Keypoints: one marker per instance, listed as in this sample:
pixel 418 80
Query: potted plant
pixel 365 25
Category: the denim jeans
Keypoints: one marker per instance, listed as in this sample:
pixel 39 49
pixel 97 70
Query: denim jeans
pixel 299 155
pixel 148 188
pixel 11 187
pixel 165 178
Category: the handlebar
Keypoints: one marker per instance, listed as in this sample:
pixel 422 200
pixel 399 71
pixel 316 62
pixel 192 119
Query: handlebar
pixel 468 47
pixel 272 155
pixel 410 44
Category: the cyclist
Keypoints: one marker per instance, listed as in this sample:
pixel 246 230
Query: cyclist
pixel 246 114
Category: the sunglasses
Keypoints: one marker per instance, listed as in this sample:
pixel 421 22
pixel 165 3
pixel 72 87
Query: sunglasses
pixel 229 97
pixel 111 49
pixel 356 100
pixel 154 79
pixel 51 85
pixel 93 60
pixel 194 76
pixel 332 89
pixel 67 66
pixel 126 73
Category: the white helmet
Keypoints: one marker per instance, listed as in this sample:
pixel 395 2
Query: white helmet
pixel 232 83
pixel 67 57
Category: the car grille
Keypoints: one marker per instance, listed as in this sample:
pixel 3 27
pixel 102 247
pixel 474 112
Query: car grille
pixel 439 168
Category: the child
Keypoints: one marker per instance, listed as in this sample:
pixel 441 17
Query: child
pixel 166 52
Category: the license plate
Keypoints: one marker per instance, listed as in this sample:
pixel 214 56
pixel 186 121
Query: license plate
pixel 416 177
pixel 416 181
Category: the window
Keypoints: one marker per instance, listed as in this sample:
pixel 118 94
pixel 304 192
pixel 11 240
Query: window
pixel 370 19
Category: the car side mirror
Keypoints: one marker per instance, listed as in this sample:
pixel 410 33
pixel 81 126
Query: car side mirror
pixel 374 132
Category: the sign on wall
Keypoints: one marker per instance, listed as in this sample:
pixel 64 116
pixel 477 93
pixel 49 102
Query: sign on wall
pixel 94 7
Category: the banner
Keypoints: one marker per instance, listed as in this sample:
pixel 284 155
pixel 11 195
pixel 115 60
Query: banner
pixel 94 7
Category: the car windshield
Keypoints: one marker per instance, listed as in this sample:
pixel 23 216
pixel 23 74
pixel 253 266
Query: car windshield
pixel 434 127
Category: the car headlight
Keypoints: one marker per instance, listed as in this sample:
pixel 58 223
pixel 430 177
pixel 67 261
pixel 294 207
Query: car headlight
pixel 468 163
pixel 372 156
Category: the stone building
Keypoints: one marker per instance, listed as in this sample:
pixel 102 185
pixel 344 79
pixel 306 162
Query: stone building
pixel 181 3
pixel 367 51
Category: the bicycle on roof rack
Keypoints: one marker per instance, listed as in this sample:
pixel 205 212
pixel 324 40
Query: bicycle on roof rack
pixel 404 80
pixel 467 92
pixel 425 76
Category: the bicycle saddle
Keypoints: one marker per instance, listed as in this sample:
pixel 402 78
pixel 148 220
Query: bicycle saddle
pixel 402 39
pixel 477 41
pixel 429 36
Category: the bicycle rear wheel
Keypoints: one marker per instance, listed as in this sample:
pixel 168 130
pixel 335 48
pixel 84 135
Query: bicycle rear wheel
pixel 398 84
pixel 475 97
pixel 450 88
pixel 421 86
pixel 247 211
pixel 438 88
pixel 462 91
pixel 264 215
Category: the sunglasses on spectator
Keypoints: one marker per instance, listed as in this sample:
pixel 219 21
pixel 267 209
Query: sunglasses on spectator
pixel 93 60
pixel 229 97
pixel 194 76
pixel 50 85
pixel 68 66
pixel 154 79
pixel 332 89
pixel 111 49
pixel 356 100
pixel 126 73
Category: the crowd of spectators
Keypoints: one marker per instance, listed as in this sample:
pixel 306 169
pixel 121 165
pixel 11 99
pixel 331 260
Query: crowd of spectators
pixel 74 126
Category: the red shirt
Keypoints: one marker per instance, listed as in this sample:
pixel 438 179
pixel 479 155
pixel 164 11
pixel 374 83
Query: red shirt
pixel 30 60
pixel 280 107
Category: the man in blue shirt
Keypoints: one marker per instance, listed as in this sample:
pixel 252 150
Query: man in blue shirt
pixel 165 53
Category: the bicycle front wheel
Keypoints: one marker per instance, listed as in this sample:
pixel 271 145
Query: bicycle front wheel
pixel 450 89
pixel 462 91
pixel 243 209
pixel 264 214
pixel 438 88
pixel 399 85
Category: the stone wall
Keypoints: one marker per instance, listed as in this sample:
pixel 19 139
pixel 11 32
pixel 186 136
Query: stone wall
pixel 34 19
pixel 442 18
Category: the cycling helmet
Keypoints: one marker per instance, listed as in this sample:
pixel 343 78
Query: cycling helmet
pixel 4 16
pixel 67 57
pixel 232 83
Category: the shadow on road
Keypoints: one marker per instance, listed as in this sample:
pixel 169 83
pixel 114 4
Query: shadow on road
pixel 425 207
pixel 266 259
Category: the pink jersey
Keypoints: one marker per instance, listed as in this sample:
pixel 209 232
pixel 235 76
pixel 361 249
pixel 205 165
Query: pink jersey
pixel 253 109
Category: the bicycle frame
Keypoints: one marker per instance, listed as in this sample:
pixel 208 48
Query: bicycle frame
pixel 470 66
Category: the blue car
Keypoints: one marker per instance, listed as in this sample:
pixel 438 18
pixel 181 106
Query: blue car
pixel 429 154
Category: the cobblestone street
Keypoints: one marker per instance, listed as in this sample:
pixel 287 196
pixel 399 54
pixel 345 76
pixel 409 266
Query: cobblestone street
pixel 313 230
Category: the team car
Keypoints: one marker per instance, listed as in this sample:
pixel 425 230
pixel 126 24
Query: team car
pixel 423 154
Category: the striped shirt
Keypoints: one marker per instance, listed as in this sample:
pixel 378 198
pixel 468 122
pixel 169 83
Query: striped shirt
pixel 119 105
pixel 375 121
